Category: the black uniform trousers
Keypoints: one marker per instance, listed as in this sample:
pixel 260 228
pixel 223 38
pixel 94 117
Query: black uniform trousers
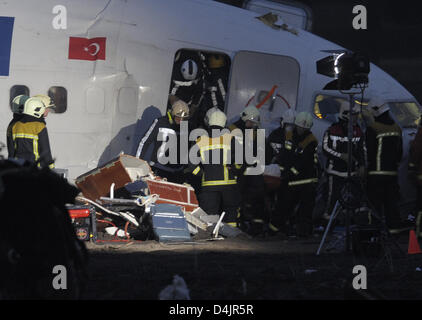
pixel 384 195
pixel 252 190
pixel 216 199
pixel 290 197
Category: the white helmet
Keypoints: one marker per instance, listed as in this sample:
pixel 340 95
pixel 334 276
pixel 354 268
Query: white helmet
pixel 18 103
pixel 345 108
pixel 208 114
pixel 34 107
pixel 217 118
pixel 378 106
pixel 48 102
pixel 251 113
pixel 304 120
pixel 288 117
pixel 189 70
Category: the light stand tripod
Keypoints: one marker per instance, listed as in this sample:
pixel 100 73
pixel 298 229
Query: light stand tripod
pixel 349 175
pixel 352 196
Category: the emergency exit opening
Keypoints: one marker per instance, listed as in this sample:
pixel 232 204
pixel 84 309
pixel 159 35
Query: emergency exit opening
pixel 269 82
pixel 200 79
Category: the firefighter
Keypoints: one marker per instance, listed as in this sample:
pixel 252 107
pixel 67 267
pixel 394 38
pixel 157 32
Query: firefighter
pixel 217 169
pixel 188 82
pixel 17 109
pixel 276 138
pixel 299 166
pixel 385 150
pixel 415 175
pixel 335 148
pixel 30 135
pixel 165 135
pixel 217 80
pixel 254 217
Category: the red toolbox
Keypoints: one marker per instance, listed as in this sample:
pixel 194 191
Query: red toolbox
pixel 172 193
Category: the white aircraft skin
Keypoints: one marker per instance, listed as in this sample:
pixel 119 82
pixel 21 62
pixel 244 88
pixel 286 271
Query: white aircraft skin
pixel 106 98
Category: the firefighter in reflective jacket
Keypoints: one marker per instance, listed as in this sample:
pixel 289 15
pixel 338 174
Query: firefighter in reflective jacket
pixel 385 150
pixel 415 175
pixel 253 216
pixel 299 168
pixel 30 136
pixel 165 135
pixel 335 148
pixel 216 155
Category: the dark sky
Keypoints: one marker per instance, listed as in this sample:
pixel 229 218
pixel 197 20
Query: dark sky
pixel 393 39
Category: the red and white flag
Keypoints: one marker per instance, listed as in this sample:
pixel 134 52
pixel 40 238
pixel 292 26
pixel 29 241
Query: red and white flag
pixel 87 49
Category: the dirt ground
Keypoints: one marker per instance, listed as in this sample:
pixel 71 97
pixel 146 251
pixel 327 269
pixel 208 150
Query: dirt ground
pixel 246 269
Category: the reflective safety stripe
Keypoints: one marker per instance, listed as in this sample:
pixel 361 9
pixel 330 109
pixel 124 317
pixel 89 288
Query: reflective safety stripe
pixel 295 172
pixel 315 158
pixel 282 168
pixel 300 182
pixel 218 183
pixel 195 172
pixel 232 224
pixel 35 146
pixel 258 220
pixel 25 136
pixel 380 141
pixel 388 134
pixel 288 145
pixel 382 173
pixel 222 90
pixel 203 149
pixel 238 166
pixel 273 227
pixel 52 166
pixel 34 142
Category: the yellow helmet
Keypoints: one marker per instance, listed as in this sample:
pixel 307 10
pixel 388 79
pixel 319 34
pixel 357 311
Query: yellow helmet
pixel 18 103
pixel 216 61
pixel 180 109
pixel 34 107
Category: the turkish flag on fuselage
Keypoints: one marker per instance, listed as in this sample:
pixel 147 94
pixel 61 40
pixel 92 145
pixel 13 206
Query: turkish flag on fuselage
pixel 87 49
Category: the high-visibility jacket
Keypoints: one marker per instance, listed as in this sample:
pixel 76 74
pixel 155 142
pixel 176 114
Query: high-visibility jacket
pixel 335 143
pixel 30 141
pixel 217 161
pixel 298 159
pixel 9 134
pixel 415 155
pixel 385 147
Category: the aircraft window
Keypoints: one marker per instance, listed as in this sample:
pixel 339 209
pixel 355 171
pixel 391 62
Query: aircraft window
pixel 267 81
pixel 407 114
pixel 59 96
pixel 327 107
pixel 16 91
pixel 200 79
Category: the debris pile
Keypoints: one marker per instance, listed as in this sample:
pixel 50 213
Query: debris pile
pixel 131 203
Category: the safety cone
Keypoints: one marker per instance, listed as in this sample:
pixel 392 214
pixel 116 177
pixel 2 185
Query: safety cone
pixel 413 243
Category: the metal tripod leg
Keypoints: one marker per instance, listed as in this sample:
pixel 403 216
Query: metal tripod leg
pixel 327 229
